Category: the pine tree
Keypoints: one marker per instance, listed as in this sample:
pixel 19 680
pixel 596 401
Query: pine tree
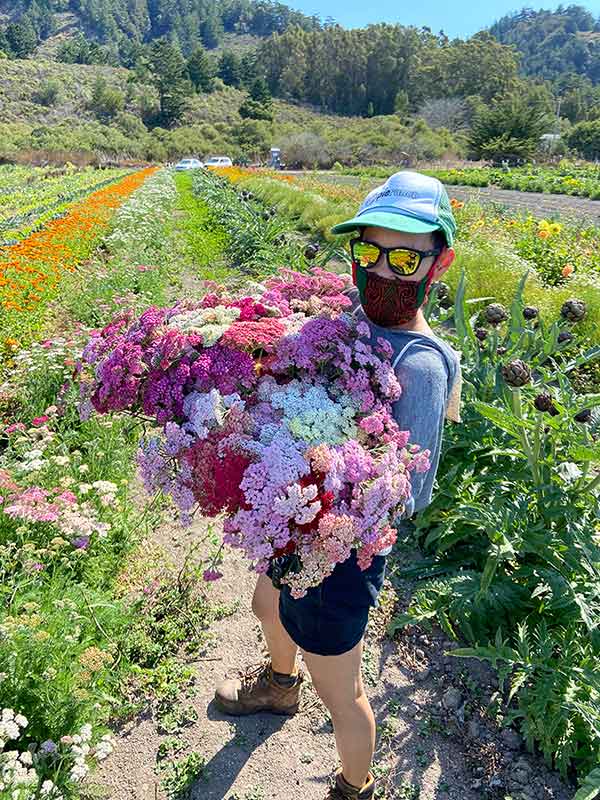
pixel 249 68
pixel 229 69
pixel 201 70
pixel 258 104
pixel 169 77
pixel 259 92
pixel 211 31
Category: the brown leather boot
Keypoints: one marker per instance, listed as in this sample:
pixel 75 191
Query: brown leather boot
pixel 256 690
pixel 342 790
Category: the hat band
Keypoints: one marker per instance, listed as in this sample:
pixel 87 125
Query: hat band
pixel 424 217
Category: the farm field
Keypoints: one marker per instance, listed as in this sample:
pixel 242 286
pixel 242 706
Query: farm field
pixel 538 204
pixel 577 180
pixel 32 196
pixel 113 628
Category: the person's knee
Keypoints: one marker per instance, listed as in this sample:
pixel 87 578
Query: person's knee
pixel 338 700
pixel 265 603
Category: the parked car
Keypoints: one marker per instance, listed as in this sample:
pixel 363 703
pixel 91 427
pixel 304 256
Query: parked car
pixel 218 161
pixel 189 163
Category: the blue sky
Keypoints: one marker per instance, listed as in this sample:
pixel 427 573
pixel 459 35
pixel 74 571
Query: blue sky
pixel 456 17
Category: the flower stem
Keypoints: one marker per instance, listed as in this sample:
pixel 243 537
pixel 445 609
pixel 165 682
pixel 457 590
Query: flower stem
pixel 531 458
pixel 593 485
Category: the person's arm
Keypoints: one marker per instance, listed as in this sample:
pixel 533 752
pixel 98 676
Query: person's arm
pixel 421 409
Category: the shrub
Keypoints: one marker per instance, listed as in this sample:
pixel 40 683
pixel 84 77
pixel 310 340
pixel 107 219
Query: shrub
pixel 585 139
pixel 48 93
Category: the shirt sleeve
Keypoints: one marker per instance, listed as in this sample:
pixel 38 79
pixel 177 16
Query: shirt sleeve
pixel 421 409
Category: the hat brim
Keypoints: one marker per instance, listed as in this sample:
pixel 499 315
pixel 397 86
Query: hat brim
pixel 383 219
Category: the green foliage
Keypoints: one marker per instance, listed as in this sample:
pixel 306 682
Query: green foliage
pixel 585 139
pixel 508 129
pixel 204 236
pixel 366 71
pixel 513 560
pixel 105 101
pixel 201 70
pixel 553 42
pixel 79 50
pixel 230 68
pixel 170 79
pixel 21 38
pixel 258 239
pixel 478 66
pixel 47 94
pixel 180 776
pixel 259 104
pixel 113 32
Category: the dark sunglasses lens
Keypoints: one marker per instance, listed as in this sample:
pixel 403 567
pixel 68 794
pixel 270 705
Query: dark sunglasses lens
pixel 404 261
pixel 365 254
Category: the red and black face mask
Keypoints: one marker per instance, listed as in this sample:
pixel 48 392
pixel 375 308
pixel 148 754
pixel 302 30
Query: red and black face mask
pixel 388 302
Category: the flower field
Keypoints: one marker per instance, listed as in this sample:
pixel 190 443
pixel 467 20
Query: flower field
pixel 32 268
pixel 579 180
pixel 184 326
pixel 31 196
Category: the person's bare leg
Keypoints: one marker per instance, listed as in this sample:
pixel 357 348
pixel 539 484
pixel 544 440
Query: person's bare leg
pixel 265 605
pixel 338 681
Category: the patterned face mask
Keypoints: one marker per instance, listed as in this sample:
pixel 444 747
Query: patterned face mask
pixel 389 302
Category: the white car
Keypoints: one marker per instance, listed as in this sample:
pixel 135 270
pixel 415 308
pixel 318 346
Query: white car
pixel 189 163
pixel 218 161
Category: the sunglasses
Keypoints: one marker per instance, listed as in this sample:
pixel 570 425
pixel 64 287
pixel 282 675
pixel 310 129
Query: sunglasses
pixel 400 260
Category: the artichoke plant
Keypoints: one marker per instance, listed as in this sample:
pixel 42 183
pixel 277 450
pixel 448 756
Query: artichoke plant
pixel 573 310
pixel 495 313
pixel 516 373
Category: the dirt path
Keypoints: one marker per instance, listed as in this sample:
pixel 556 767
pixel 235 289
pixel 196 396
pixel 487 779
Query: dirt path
pixel 434 738
pixel 539 204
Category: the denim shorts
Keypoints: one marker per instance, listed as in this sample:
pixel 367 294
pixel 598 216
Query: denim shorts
pixel 332 617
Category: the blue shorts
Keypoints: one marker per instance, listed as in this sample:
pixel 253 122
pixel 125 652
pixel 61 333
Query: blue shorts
pixel 331 618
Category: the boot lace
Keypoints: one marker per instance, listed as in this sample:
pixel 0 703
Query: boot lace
pixel 256 676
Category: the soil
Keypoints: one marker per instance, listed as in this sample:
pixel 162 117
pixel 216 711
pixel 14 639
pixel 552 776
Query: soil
pixel 435 738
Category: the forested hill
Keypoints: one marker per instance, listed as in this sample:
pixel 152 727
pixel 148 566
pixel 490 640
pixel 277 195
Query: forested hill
pixel 553 44
pixel 120 25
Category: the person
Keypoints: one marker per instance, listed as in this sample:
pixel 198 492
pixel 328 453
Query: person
pixel 404 235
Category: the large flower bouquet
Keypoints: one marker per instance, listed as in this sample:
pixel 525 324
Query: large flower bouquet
pixel 274 410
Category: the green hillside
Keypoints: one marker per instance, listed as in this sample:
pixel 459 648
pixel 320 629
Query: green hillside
pixel 553 44
pixel 211 123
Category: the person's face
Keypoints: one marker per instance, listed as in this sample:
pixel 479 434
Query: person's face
pixel 417 241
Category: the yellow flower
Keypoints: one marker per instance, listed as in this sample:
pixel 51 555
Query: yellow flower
pixel 555 228
pixel 94 659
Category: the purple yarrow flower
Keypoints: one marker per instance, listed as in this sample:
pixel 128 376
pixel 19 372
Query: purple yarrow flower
pixel 81 543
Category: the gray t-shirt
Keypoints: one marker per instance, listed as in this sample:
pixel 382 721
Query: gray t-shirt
pixel 427 368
